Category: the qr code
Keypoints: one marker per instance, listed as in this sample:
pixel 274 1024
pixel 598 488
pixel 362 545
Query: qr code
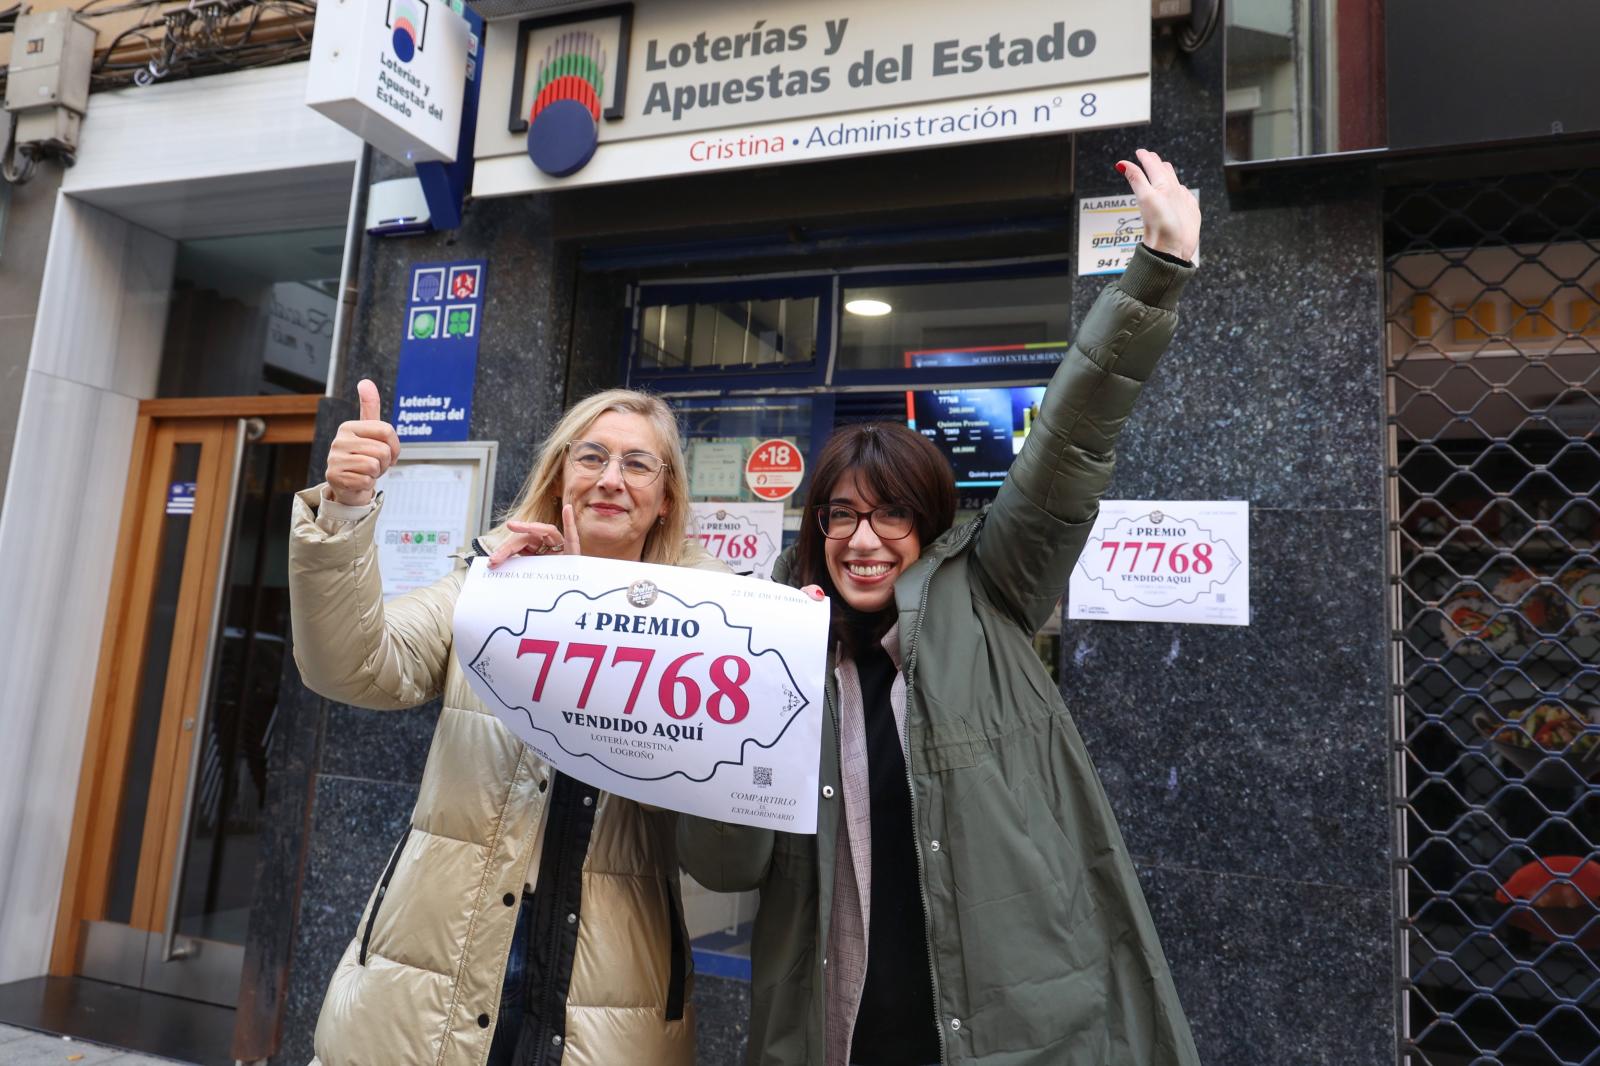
pixel 763 776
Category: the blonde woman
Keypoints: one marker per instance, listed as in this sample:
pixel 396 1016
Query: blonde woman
pixel 524 917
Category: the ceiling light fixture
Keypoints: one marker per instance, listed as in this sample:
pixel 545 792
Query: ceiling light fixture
pixel 869 308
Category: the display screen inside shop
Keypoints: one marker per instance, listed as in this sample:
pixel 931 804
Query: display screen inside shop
pixel 980 430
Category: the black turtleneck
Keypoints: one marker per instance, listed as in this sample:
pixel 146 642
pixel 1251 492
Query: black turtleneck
pixel 895 1026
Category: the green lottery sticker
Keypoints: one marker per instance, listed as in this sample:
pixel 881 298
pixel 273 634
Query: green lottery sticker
pixel 422 325
pixel 458 323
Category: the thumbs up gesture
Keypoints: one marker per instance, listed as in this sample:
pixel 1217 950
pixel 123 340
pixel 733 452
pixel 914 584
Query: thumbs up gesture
pixel 361 451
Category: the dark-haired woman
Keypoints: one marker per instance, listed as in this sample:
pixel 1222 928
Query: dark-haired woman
pixel 967 897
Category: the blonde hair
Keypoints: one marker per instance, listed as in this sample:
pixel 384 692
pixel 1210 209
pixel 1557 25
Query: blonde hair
pixel 540 498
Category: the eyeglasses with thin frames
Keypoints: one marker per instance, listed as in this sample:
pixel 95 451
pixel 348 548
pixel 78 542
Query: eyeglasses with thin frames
pixel 890 521
pixel 638 468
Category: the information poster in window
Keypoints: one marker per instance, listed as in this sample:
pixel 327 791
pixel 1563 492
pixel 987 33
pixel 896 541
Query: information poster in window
pixel 424 522
pixel 716 468
pixel 1165 561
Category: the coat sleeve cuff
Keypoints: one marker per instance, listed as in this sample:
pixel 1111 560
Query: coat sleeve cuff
pixel 1156 280
pixel 318 545
pixel 330 508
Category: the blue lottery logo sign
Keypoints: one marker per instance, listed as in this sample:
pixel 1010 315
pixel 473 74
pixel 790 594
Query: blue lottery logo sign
pixel 408 19
pixel 439 351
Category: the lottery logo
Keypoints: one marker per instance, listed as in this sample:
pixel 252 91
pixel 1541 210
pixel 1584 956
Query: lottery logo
pixel 463 283
pixel 427 284
pixel 564 123
pixel 424 322
pixel 408 19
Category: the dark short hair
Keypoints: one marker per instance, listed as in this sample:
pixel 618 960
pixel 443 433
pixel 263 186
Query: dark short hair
pixel 893 464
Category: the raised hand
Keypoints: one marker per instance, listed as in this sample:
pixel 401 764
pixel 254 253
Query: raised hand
pixel 539 538
pixel 1171 212
pixel 361 451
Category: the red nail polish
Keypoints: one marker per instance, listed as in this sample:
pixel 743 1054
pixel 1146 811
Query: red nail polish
pixel 1122 168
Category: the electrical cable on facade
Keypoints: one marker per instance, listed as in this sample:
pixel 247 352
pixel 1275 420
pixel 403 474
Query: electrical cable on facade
pixel 202 38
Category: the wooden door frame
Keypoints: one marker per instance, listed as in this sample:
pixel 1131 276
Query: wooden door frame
pixel 161 424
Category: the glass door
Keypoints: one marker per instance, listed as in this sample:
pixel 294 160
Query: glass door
pixel 163 858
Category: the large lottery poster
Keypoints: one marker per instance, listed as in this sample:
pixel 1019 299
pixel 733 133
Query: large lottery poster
pixel 676 687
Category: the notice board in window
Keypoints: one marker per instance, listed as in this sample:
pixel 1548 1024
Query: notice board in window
pixel 435 500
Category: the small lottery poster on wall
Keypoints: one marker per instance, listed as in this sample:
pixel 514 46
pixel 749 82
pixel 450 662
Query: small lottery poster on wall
pixel 1165 561
pixel 746 536
pixel 439 351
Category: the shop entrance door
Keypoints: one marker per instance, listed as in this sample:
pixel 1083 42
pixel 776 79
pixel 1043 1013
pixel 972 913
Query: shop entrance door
pixel 160 872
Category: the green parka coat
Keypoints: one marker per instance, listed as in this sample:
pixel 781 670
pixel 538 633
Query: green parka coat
pixel 1042 947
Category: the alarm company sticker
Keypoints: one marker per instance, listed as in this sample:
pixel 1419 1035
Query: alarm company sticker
pixel 695 691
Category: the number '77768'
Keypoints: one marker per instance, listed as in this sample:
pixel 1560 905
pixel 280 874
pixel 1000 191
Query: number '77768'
pixel 1178 558
pixel 730 545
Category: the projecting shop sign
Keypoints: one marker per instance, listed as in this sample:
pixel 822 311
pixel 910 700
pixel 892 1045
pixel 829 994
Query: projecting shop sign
pixel 393 72
pixel 685 86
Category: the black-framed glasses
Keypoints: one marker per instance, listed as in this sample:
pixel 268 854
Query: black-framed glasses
pixel 590 459
pixel 892 521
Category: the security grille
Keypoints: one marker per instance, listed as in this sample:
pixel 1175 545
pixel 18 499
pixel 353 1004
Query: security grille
pixel 1493 306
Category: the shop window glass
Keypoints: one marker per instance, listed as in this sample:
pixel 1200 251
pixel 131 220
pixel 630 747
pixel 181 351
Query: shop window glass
pixel 722 335
pixel 719 436
pixel 987 324
pixel 252 315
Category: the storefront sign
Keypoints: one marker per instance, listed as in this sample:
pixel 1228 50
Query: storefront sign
pixel 1165 561
pixel 392 72
pixel 676 687
pixel 423 523
pixel 689 86
pixel 1110 228
pixel 746 536
pixel 775 469
pixel 439 351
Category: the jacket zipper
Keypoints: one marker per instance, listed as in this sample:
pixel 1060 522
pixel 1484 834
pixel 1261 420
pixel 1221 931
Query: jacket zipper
pixel 959 544
pixel 553 931
pixel 383 890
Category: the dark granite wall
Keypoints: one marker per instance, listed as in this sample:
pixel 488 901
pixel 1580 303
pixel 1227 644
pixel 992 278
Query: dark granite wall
pixel 1247 765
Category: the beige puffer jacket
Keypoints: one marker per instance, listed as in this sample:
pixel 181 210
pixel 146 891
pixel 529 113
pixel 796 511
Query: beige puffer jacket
pixel 419 984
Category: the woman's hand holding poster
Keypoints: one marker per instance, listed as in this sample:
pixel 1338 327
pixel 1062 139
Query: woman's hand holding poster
pixel 680 688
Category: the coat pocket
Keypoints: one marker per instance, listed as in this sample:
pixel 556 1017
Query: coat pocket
pixel 383 890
